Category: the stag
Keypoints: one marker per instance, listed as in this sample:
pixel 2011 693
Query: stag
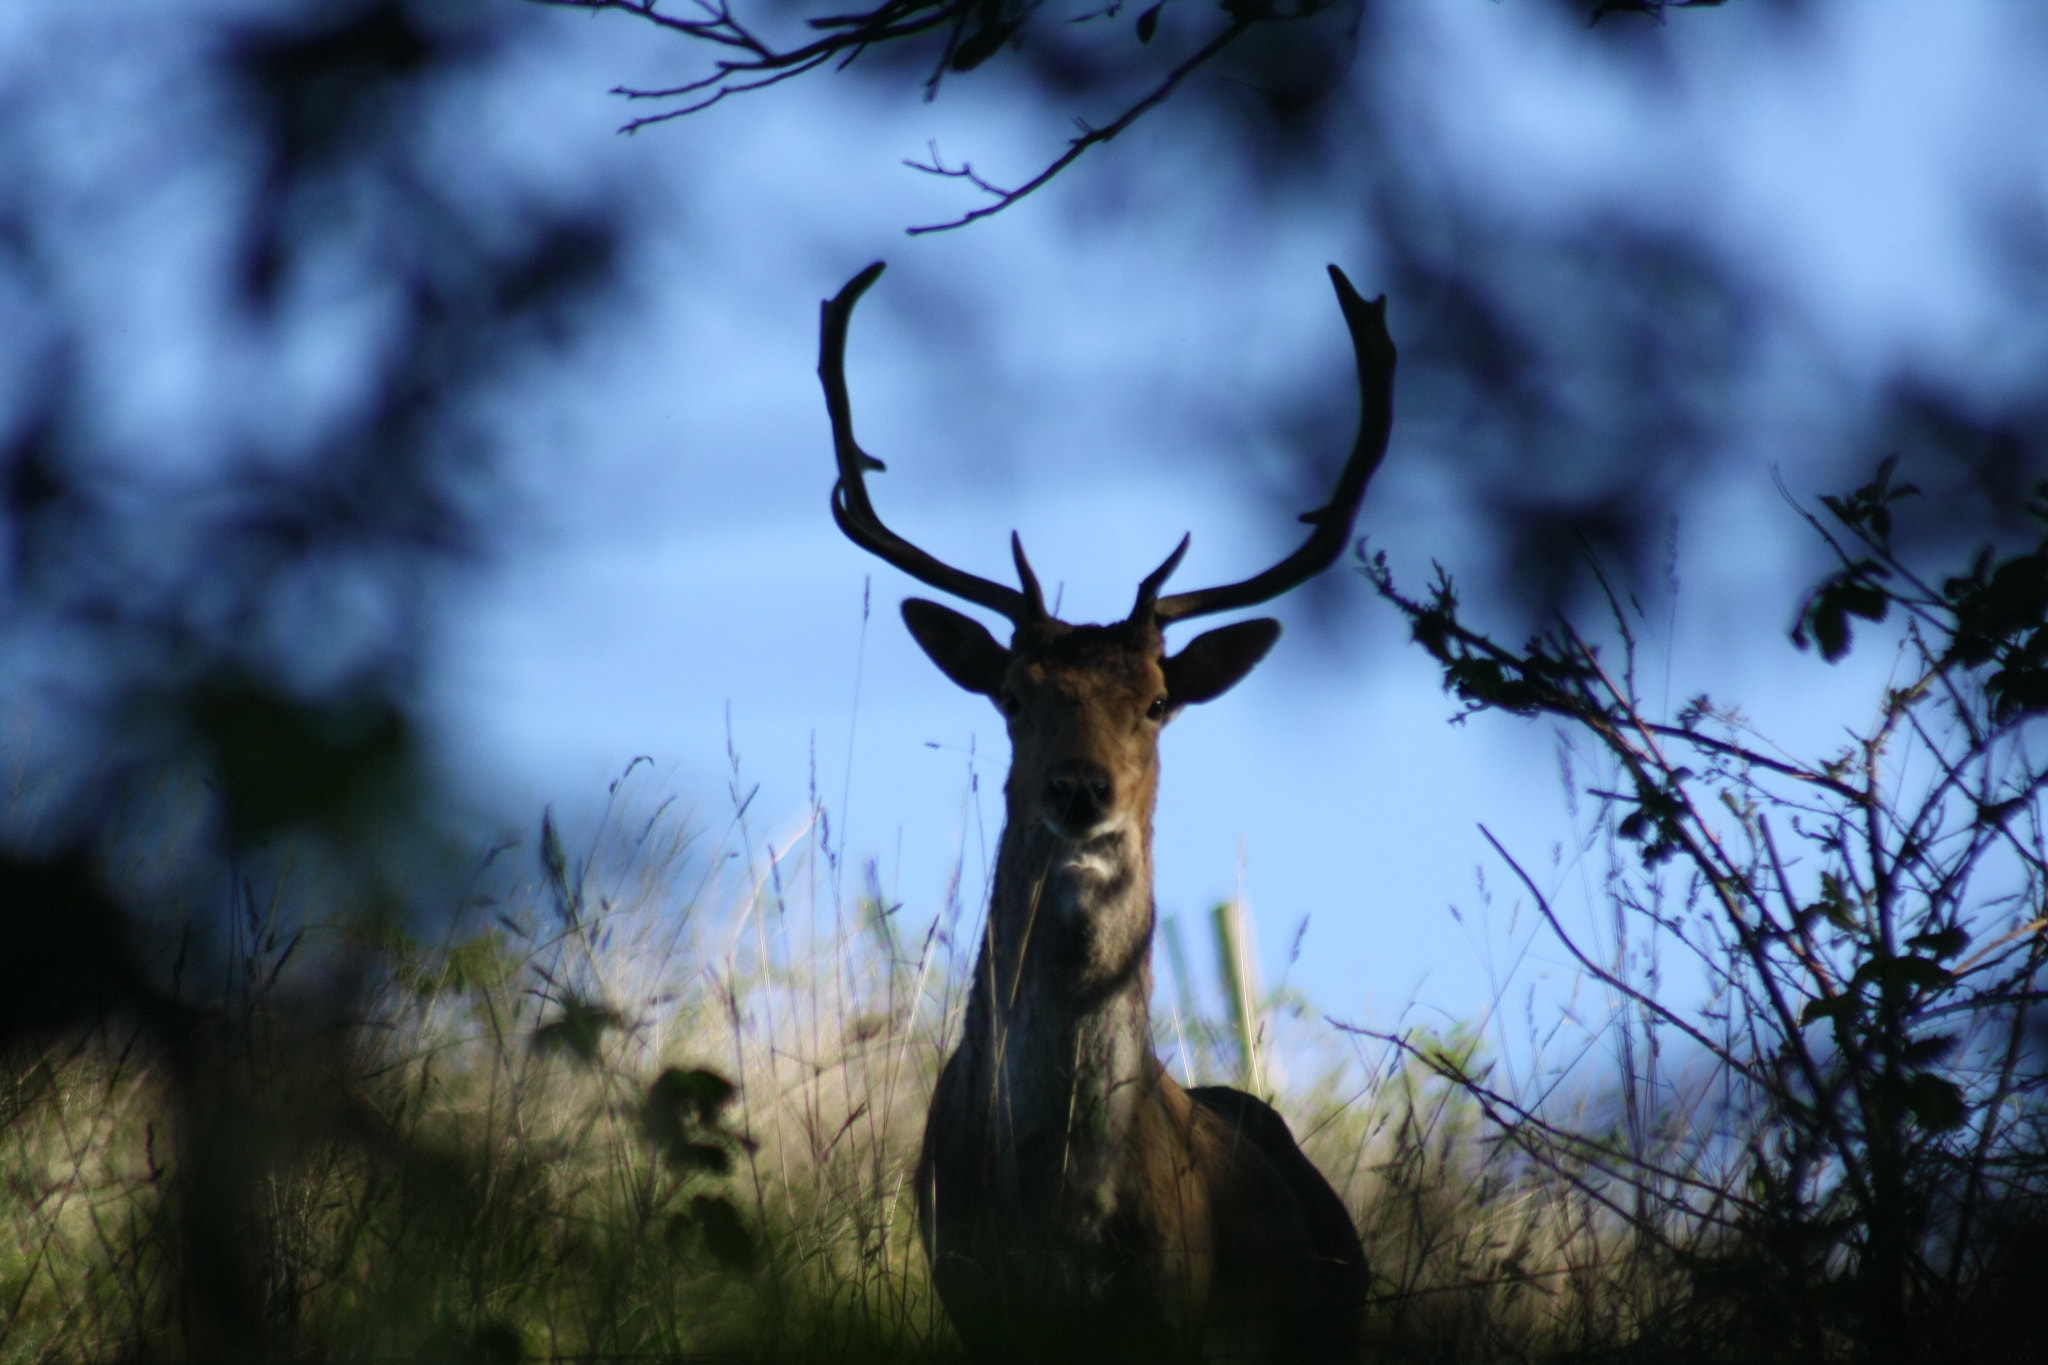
pixel 1075 1202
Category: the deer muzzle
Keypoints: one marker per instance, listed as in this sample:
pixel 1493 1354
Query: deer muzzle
pixel 1078 798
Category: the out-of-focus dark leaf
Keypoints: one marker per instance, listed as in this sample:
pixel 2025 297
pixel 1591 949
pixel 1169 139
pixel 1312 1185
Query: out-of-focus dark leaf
pixel 323 94
pixel 708 1157
pixel 983 44
pixel 1996 604
pixel 1833 904
pixel 564 889
pixel 1838 1008
pixel 65 948
pixel 1854 591
pixel 1942 943
pixel 725 1236
pixel 578 1029
pixel 1907 972
pixel 1866 600
pixel 1935 1102
pixel 703 1093
pixel 281 763
pixel 1930 1051
pixel 234 576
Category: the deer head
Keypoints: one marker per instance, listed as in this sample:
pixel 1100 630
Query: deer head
pixel 1085 703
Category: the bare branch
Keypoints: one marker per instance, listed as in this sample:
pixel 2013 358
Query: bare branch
pixel 1089 137
pixel 1516 1121
pixel 1607 978
pixel 755 62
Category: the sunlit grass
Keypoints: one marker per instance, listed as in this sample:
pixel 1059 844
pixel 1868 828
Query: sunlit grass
pixel 657 1088
pixel 473 1161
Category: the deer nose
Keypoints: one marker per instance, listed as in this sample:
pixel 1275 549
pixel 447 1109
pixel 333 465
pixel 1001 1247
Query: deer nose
pixel 1078 793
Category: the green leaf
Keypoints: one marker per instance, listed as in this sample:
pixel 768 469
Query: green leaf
pixel 725 1237
pixel 1834 904
pixel 476 964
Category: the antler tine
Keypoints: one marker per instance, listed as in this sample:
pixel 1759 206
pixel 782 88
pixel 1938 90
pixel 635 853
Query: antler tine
pixel 1034 597
pixel 850 505
pixel 1148 591
pixel 1332 521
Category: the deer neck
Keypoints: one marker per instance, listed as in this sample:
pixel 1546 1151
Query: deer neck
pixel 1058 1035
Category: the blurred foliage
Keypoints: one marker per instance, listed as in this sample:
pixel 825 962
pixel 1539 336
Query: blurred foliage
pixel 253 321
pixel 226 578
pixel 224 496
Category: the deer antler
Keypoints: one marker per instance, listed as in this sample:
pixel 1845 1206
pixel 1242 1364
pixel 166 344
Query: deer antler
pixel 1332 521
pixel 850 505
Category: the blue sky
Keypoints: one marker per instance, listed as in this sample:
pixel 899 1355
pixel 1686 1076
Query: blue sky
pixel 677 563
pixel 1098 368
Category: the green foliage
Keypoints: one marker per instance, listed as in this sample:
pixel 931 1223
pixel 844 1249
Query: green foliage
pixel 281 763
pixel 473 966
pixel 1869 925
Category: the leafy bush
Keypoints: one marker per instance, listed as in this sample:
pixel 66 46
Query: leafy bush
pixel 1860 1171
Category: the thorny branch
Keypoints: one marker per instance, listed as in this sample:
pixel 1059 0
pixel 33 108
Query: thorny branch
pixel 1882 1053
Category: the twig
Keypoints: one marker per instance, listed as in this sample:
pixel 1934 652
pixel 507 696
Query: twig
pixel 1075 147
pixel 1607 978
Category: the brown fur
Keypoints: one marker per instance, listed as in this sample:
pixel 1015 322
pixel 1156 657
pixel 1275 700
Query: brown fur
pixel 1077 1203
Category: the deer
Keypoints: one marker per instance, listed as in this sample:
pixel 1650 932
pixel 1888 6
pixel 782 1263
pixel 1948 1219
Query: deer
pixel 1075 1202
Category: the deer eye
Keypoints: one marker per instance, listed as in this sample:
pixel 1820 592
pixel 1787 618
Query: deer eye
pixel 1157 710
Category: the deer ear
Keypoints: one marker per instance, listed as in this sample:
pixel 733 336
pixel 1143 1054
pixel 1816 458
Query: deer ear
pixel 960 645
pixel 1215 662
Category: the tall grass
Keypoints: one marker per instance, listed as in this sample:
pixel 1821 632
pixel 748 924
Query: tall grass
pixel 659 1093
pixel 656 1089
